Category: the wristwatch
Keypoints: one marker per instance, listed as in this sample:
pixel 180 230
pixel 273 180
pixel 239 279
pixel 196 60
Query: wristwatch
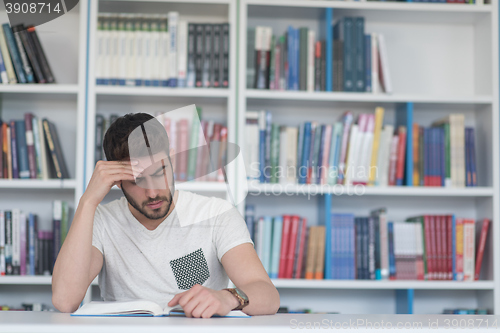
pixel 240 296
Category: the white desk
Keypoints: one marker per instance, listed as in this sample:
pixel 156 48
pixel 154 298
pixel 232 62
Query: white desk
pixel 11 321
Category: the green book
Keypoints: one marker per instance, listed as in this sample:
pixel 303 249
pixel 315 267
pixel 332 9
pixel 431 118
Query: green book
pixel 303 58
pixel 275 152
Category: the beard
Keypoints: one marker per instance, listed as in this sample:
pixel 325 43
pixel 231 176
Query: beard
pixel 155 214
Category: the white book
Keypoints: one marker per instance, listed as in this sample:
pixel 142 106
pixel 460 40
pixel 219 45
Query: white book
pixel 122 49
pixel 138 307
pixel 114 38
pixel 139 49
pixel 252 145
pixel 363 168
pixel 182 40
pixel 383 156
pixel 43 151
pixel 291 156
pixel 283 151
pixel 374 53
pixel 107 56
pixel 479 2
pixel 351 155
pixel 130 50
pixel 16 239
pixel 173 21
pixel 154 51
pixel 147 57
pixel 311 41
pixel 164 52
pixel 2 242
pixel 99 59
pixel 384 60
pixel 469 250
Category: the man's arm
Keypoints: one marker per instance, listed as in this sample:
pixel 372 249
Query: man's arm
pixel 78 262
pixel 245 270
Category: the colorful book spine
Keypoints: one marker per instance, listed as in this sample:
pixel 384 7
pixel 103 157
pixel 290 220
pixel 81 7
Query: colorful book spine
pixel 14 53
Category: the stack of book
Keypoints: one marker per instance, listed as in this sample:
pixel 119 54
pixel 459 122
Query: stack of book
pixel 428 247
pixel 200 146
pixel 22 59
pixel 161 50
pixel 297 61
pixel 26 249
pixel 31 150
pixel 363 152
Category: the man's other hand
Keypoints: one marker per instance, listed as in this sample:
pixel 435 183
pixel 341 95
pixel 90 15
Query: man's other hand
pixel 203 302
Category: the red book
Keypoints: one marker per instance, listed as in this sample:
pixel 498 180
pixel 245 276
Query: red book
pixel 433 232
pixel 449 246
pixel 285 239
pixel 459 254
pixel 441 245
pixel 480 246
pixel 428 250
pixel 300 258
pixel 294 228
pixel 400 165
pixel 183 153
pixel 28 123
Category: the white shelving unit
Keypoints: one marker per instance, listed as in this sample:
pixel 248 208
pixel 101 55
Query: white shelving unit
pixel 444 59
pixel 217 104
pixel 64 42
pixel 459 75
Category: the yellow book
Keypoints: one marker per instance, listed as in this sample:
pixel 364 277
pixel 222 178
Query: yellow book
pixel 416 154
pixel 311 255
pixel 379 119
pixel 320 253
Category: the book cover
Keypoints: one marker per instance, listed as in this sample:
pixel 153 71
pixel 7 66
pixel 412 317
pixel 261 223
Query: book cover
pixel 22 244
pixel 469 250
pixel 31 51
pixel 14 150
pixel 9 67
pixel 9 269
pixel 320 253
pixel 301 250
pixel 311 253
pixel 55 150
pixel 14 53
pixel 28 71
pixel 359 54
pixel 191 56
pixel 22 149
pixel 30 145
pixel 285 243
pixel 482 232
pixel 294 229
pixel 16 242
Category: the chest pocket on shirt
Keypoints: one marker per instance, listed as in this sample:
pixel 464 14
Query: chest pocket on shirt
pixel 190 269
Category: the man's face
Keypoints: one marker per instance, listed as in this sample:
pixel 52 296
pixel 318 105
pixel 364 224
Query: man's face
pixel 151 193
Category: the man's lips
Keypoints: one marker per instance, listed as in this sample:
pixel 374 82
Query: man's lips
pixel 155 204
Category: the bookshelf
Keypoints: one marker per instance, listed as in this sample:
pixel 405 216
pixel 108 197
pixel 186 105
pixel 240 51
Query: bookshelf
pixel 437 83
pixel 64 104
pixel 217 103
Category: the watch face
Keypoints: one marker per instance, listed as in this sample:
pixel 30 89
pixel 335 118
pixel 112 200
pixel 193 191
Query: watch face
pixel 242 294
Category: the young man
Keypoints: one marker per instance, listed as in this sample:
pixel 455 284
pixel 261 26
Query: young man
pixel 156 243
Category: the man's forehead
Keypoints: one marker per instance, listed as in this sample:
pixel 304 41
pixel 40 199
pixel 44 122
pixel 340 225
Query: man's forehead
pixel 146 161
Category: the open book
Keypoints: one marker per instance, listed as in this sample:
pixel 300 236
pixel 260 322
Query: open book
pixel 138 308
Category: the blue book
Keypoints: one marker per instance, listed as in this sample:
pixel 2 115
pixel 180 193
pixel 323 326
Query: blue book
pixel 352 246
pixel 426 156
pixel 14 53
pixel 468 160
pixel 32 234
pixel 359 54
pixel 335 243
pixel 329 49
pixel 320 155
pixel 300 145
pixel 473 158
pixel 442 154
pixel 344 30
pixel 296 50
pixel 404 117
pixel 358 221
pixel 276 246
pixel 262 146
pixel 371 248
pixel 13 144
pixel 305 153
pixel 333 163
pixel 392 259
pixel 3 71
pixel 368 63
pixel 250 219
pixel 22 150
pixel 290 55
pixel 366 252
pixel 266 255
pixel 267 170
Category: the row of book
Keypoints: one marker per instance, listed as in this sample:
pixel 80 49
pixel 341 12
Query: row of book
pixel 429 247
pixel 200 146
pixel 22 59
pixel 297 61
pixel 26 249
pixel 365 152
pixel 161 50
pixel 463 311
pixel 27 307
pixel 31 149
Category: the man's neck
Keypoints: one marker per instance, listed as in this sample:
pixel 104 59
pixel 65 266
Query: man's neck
pixel 151 224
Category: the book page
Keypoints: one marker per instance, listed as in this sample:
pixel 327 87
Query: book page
pixel 120 307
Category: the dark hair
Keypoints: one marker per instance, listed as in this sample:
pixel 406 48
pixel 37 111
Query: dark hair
pixel 116 140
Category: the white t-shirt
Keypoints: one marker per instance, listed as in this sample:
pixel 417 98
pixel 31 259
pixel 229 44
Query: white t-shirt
pixel 157 264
